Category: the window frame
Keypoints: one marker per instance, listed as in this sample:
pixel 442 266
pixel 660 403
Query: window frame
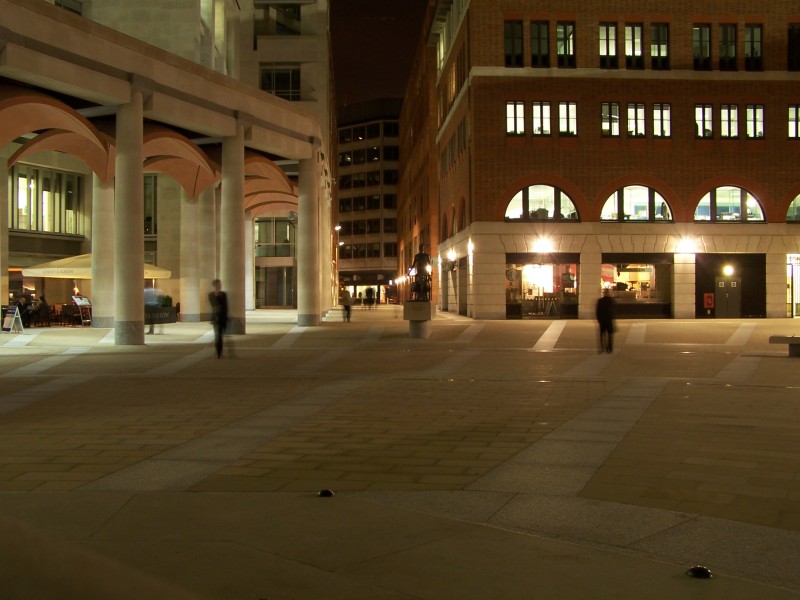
pixel 714 215
pixel 729 121
pixel 540 44
pixel 753 47
pixel 541 119
pixel 515 118
pixel 659 61
pixel 653 196
pixel 634 46
pixel 659 110
pixel 607 35
pixel 705 119
pixel 567 119
pixel 701 46
pixel 513 44
pixel 793 121
pixel 754 121
pixel 727 47
pixel 609 127
pixel 565 44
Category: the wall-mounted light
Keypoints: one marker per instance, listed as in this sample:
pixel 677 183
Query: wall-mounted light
pixel 337 228
pixel 727 270
pixel 543 245
pixel 686 246
pixel 451 255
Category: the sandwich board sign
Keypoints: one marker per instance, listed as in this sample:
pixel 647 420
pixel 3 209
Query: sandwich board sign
pixel 12 321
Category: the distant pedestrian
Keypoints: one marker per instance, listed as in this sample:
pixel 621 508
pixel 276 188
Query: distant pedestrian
pixel 605 321
pixel 346 301
pixel 219 314
pixel 370 298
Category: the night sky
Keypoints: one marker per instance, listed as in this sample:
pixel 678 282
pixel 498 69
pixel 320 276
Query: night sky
pixel 373 45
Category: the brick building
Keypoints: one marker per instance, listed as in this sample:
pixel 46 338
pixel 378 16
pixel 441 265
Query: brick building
pixel 647 148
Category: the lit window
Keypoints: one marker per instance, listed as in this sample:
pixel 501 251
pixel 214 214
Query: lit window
pixel 608 46
pixel 634 54
pixel 636 203
pixel 541 203
pixel 541 118
pixel 793 214
pixel 754 114
pixel 729 121
pixel 729 204
pixel 515 118
pixel 609 115
pixel 661 120
pixel 636 126
pixel 567 118
pixel 703 121
pixel 794 121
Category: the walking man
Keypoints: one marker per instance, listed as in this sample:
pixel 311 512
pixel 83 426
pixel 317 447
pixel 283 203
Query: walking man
pixel 219 314
pixel 605 321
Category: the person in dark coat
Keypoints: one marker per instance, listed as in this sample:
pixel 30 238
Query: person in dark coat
pixel 219 314
pixel 605 320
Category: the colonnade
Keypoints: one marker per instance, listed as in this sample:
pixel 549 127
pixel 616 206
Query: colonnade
pixel 214 237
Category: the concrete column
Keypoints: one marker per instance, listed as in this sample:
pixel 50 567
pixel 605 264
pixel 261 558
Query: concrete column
pixel 4 191
pixel 308 254
pixel 190 261
pixel 102 252
pixel 207 247
pixel 232 228
pixel 777 281
pixel 129 225
pixel 683 287
pixel 589 274
pixel 249 262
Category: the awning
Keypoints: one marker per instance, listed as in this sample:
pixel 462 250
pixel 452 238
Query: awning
pixel 80 267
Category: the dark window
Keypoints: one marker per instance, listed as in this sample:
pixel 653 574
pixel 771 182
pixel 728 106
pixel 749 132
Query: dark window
pixel 345 205
pixel 347 228
pixel 793 59
pixel 345 159
pixel 390 250
pixel 75 6
pixel 359 180
pixel 390 225
pixel 391 176
pixel 373 154
pixel 281 80
pixel 359 204
pixel 727 47
pixel 608 46
pixel 374 178
pixel 512 37
pixel 565 44
pixel 391 129
pixel 359 156
pixel 390 201
pixel 345 182
pixel 374 202
pixel 345 135
pixel 659 47
pixel 374 250
pixel 701 42
pixel 391 153
pixel 753 38
pixel 359 133
pixel 540 44
pixel 373 225
pixel 359 227
pixel 373 131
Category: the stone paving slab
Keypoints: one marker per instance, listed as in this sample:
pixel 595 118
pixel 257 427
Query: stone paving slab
pixel 483 434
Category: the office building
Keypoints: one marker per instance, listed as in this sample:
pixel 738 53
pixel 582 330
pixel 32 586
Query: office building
pixel 644 147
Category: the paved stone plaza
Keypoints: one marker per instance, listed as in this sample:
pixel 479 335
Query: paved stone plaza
pixel 494 460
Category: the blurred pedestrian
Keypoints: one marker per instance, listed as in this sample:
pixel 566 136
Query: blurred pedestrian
pixel 605 320
pixel 346 301
pixel 219 314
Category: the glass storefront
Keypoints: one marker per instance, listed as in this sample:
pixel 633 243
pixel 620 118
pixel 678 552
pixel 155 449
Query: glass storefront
pixel 793 285
pixel 641 284
pixel 541 286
